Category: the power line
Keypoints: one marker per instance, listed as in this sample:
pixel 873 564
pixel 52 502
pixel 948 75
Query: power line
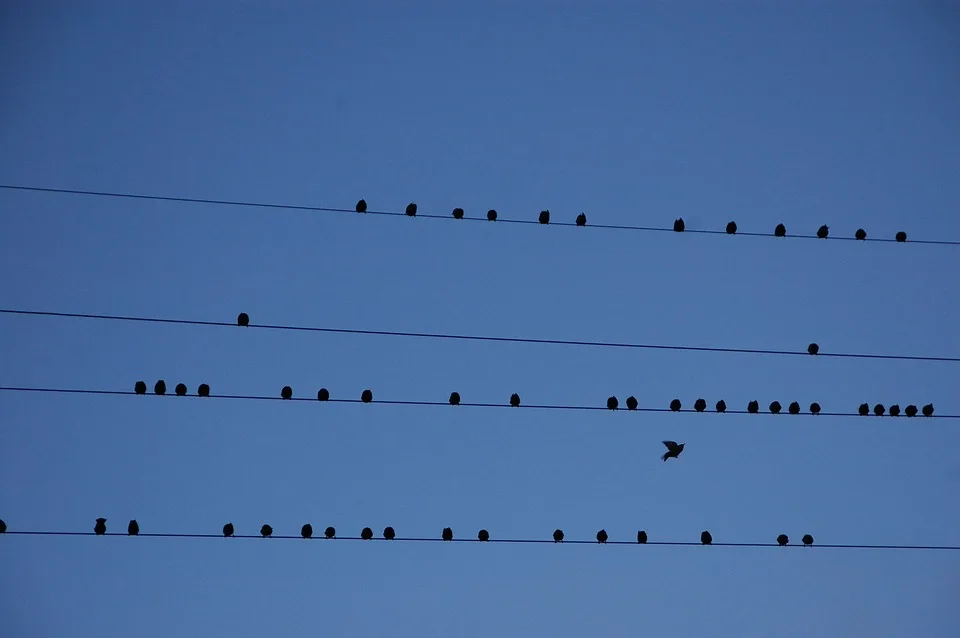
pixel 464 337
pixel 462 217
pixel 460 404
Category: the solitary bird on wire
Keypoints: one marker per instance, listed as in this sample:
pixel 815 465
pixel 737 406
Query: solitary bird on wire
pixel 140 387
pixel 330 532
pixel 515 400
pixel 901 236
pixel 782 540
pixel 389 533
pixel 362 206
pixel 814 408
pixel 447 534
pixel 928 409
pixel 861 234
pixel 878 409
pixel 864 409
pixel 813 348
pixel 491 215
pixel 544 217
pixel 780 231
pixel 458 213
pixel 306 531
pixel 823 231
pixel 411 210
pixel 602 536
pixel 366 533
pixel 632 403
pixel 642 537
pixel 612 403
pixel 673 450
pixel 705 537
pixel 101 527
pixel 366 396
pixel 266 531
pixel 483 536
pixel 700 405
pixel 558 536
pixel 160 387
pixel 3 527
pixel 323 394
pixel 794 408
pixel 721 406
pixel 286 392
pixel 775 407
pixel 911 410
pixel 243 319
pixel 807 540
pixel 181 390
pixel 678 225
pixel 675 405
pixel 894 410
pixel 228 530
pixel 581 219
pixel 753 407
pixel 133 528
pixel 454 398
pixel 732 228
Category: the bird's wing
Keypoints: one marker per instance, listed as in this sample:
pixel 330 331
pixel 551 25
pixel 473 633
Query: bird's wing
pixel 671 445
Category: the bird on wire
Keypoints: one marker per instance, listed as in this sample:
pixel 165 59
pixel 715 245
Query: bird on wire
pixel 632 403
pixel 323 394
pixel 228 530
pixel 602 536
pixel 361 206
pixel 243 319
pixel 389 533
pixel 706 538
pixel 678 225
pixel 558 536
pixel 782 540
pixel 306 531
pixel 100 528
pixel 483 536
pixel 721 406
pixel 642 537
pixel 366 534
pixel 330 532
pixel 458 213
pixel 266 531
pixel 133 528
pixel 447 534
pixel 544 217
pixel 582 219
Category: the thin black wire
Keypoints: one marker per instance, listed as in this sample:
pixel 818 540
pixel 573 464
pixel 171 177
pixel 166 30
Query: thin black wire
pixel 432 335
pixel 500 220
pixel 253 397
pixel 508 541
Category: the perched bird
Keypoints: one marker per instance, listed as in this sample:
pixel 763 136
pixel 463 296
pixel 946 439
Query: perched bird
pixel 928 409
pixel 389 533
pixel 286 392
pixel 894 410
pixel 780 231
pixel 782 540
pixel 483 536
pixel 101 527
pixel 454 398
pixel 632 403
pixel 878 409
pixel 678 225
pixel 794 408
pixel 813 348
pixel 807 539
pixel 133 528
pixel 181 390
pixel 515 400
pixel 228 530
pixel 266 531
pixel 861 234
pixel 362 206
pixel 306 531
pixel 602 536
pixel 447 534
pixel 243 319
pixel 675 405
pixel 612 403
pixel 814 408
pixel 558 536
pixel 901 236
pixel 323 394
pixel 642 537
pixel 3 527
pixel 864 409
pixel 700 405
pixel 911 410
pixel 366 533
pixel 732 228
pixel 160 387
pixel 753 407
pixel 411 210
pixel 775 407
pixel 491 215
pixel 581 219
pixel 366 396
pixel 705 537
pixel 203 390
pixel 721 406
pixel 673 450
pixel 823 231
pixel 458 213
pixel 140 387
pixel 544 217
pixel 330 532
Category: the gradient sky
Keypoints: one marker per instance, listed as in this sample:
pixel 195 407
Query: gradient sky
pixel 810 113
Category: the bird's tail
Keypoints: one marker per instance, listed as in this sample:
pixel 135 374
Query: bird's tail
pixel 666 456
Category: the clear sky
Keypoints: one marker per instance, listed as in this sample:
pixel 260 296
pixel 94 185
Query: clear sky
pixel 809 113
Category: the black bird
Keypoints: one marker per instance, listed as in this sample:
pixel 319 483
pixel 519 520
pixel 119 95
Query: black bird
pixel 732 228
pixel 911 410
pixel 3 527
pixel 581 219
pixel 807 540
pixel 181 390
pixel 447 534
pixel 775 407
pixel 323 394
pixel 362 206
pixel 705 537
pixel 894 410
pixel 928 409
pixel 864 409
pixel 286 392
pixel 140 387
pixel 228 530
pixel 203 390
pixel 558 536
pixel 700 405
pixel 814 408
pixel 780 231
pixel 794 408
pixel 612 403
pixel 458 213
pixel 483 536
pixel 366 396
pixel 491 215
pixel 823 231
pixel 675 405
pixel 901 236
pixel 753 407
pixel 366 533
pixel 330 532
pixel 642 537
pixel 515 400
pixel 411 210
pixel 673 450
pixel 861 234
pixel 389 533
pixel 602 536
pixel 101 527
pixel 454 398
pixel 243 319
pixel 266 531
pixel 632 403
pixel 306 531
pixel 782 540
pixel 678 225
pixel 133 528
pixel 544 217
pixel 160 387
pixel 721 406
pixel 813 348
pixel 878 409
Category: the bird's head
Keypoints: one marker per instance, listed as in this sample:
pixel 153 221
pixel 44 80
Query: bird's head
pixel 101 520
pixel 680 447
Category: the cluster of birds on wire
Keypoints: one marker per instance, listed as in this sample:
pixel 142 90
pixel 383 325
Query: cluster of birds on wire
pixel 678 224
pixel 389 533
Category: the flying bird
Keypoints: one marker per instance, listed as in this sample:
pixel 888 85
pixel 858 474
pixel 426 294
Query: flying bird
pixel 366 396
pixel 678 225
pixel 160 387
pixel 581 219
pixel 203 390
pixel 632 403
pixel 362 206
pixel 814 408
pixel 323 394
pixel 454 398
pixel 330 532
pixel 673 450
pixel 705 537
pixel 732 228
pixel 878 409
pixel 861 234
pixel 544 217
pixel 266 531
pixel 483 536
pixel 813 348
pixel 366 533
pixel 911 410
pixel 901 236
pixel 753 407
pixel 612 403
pixel 807 540
pixel 675 405
pixel 491 215
pixel 602 536
pixel 721 406
pixel 794 408
pixel 411 210
pixel 101 527
pixel 286 392
pixel 458 213
pixel 133 528
pixel 558 536
pixel 782 540
pixel 928 409
pixel 140 387
pixel 243 319
pixel 642 537
pixel 780 231
pixel 515 400
pixel 823 231
pixel 306 531
pixel 700 405
pixel 894 410
pixel 447 534
pixel 228 530
pixel 181 390
pixel 775 407
pixel 389 533
pixel 864 409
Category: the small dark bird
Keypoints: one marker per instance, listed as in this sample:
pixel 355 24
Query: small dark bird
pixel 782 540
pixel 181 390
pixel 780 231
pixel 366 533
pixel 814 408
pixel 878 409
pixel 705 537
pixel 901 236
pixel 813 349
pixel 140 387
pixel 721 406
pixel 673 450
pixel 491 215
pixel 243 319
pixel 732 228
pixel 642 537
pixel 389 533
pixel 632 403
pixel 366 396
pixel 675 405
pixel 678 225
pixel 362 206
pixel 133 528
pixel 864 409
pixel 306 531
pixel 266 531
pixel 861 234
pixel 823 231
pixel 775 407
pixel 203 390
pixel 483 536
pixel 458 213
pixel 160 387
pixel 101 527
pixel 753 407
pixel 228 530
pixel 3 527
pixel 807 540
pixel 558 536
pixel 700 405
pixel 581 219
pixel 515 400
pixel 454 398
pixel 286 392
pixel 411 210
pixel 323 394
pixel 911 410
pixel 612 403
pixel 928 409
pixel 894 410
pixel 447 534
pixel 544 217
pixel 794 408
pixel 330 532
pixel 602 536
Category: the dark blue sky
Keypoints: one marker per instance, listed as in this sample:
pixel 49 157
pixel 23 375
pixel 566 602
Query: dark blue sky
pixel 831 113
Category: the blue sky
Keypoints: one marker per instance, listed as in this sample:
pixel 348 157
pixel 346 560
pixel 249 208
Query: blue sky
pixel 807 114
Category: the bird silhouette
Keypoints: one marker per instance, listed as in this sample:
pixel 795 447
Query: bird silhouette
pixel 928 409
pixel 705 537
pixel 700 405
pixel 775 407
pixel 861 234
pixel 864 409
pixel 901 236
pixel 807 540
pixel 286 392
pixel 266 531
pixel 411 210
pixel 632 403
pixel 642 537
pixel 780 231
pixel 362 206
pixel 133 528
pixel 366 396
pixel 602 536
pixel 675 405
pixel 612 403
pixel 3 527
pixel 160 387
pixel 181 390
pixel 894 410
pixel 203 390
pixel 447 534
pixel 483 536
pixel 813 348
pixel 782 540
pixel 794 408
pixel 731 228
pixel 101 527
pixel 366 533
pixel 458 213
pixel 678 225
pixel 823 231
pixel 878 409
pixel 721 406
pixel 581 219
pixel 673 450
pixel 389 533
pixel 558 536
pixel 330 532
pixel 544 217
pixel 491 215
pixel 753 407
pixel 243 319
pixel 454 398
pixel 140 387
pixel 814 408
pixel 228 530
pixel 323 394
pixel 306 531
pixel 515 400
pixel 911 410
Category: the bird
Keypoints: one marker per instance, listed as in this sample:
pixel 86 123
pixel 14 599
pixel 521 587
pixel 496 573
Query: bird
pixel 794 408
pixel 140 387
pixel 813 348
pixel 700 405
pixel 447 534
pixel 581 219
pixel 864 409
pixel 101 527
pixel 807 540
pixel 675 405
pixel 366 533
pixel 878 409
pixel 673 450
pixel 780 231
pixel 3 527
pixel 814 408
pixel 894 410
pixel 160 387
pixel 775 407
pixel 678 225
pixel 243 319
pixel 389 533
pixel 411 210
pixel 782 540
pixel 612 403
pixel 515 400
pixel 861 234
pixel 911 410
pixel 632 403
pixel 181 390
pixel 458 213
pixel 642 537
pixel 323 394
pixel 366 396
pixel 286 392
pixel 228 530
pixel 133 528
pixel 330 532
pixel 491 215
pixel 602 536
pixel 544 217
pixel 266 531
pixel 454 398
pixel 928 409
pixel 362 206
pixel 306 531
pixel 901 236
pixel 721 406
pixel 705 537
pixel 731 228
pixel 483 536
pixel 823 231
pixel 203 390
pixel 753 407
pixel 558 536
